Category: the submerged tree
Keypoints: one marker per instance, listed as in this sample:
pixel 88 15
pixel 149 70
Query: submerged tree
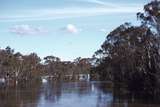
pixel 131 54
pixel 131 58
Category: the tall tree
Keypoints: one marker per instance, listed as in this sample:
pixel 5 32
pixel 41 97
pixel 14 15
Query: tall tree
pixel 131 57
pixel 151 15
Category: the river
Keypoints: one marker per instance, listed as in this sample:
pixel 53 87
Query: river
pixel 66 94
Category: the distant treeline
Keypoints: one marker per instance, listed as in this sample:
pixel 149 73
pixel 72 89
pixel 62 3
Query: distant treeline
pixel 130 55
pixel 15 67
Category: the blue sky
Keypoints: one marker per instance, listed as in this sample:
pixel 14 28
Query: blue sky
pixel 63 28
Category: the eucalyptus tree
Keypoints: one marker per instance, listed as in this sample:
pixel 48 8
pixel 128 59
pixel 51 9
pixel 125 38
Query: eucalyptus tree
pixel 30 65
pixel 151 16
pixel 131 54
pixel 131 57
pixel 52 64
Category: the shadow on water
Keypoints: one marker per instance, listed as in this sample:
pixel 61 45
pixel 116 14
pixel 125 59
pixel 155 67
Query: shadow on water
pixel 69 94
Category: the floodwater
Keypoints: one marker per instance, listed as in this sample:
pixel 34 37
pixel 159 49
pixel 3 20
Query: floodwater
pixel 66 94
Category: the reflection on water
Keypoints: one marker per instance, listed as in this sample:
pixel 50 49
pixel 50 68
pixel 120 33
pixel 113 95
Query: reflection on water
pixel 66 94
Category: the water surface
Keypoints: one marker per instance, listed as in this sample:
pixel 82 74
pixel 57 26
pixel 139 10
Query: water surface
pixel 66 94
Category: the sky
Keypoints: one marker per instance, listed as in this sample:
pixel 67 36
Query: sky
pixel 64 28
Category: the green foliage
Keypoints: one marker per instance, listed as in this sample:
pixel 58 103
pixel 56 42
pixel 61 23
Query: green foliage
pixel 130 54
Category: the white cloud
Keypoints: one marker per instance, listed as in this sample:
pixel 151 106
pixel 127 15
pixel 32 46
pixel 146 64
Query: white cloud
pixel 71 28
pixel 27 30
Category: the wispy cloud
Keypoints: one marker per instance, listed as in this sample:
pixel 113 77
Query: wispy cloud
pixel 110 4
pixel 27 30
pixel 103 30
pixel 95 2
pixel 51 14
pixel 101 3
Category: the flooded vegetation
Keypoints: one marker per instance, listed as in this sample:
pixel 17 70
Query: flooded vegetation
pixel 68 94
